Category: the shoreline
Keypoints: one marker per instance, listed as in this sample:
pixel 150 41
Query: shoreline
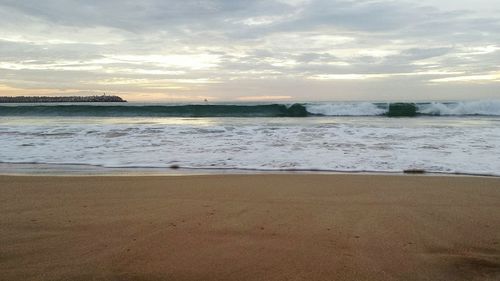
pixel 249 227
pixel 44 169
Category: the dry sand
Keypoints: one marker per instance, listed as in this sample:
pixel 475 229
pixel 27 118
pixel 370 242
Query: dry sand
pixel 250 227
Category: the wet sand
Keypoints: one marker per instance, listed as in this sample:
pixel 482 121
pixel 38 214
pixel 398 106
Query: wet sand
pixel 250 227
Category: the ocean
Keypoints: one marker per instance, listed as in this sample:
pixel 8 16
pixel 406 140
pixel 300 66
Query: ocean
pixel 437 137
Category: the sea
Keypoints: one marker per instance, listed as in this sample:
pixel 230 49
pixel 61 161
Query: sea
pixel 368 137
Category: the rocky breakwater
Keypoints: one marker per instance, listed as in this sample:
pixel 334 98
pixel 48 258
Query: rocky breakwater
pixel 39 99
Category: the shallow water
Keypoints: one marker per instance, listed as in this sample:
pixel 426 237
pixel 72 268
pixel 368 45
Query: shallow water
pixel 379 144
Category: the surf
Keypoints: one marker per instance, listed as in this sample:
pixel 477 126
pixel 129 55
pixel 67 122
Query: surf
pixel 399 109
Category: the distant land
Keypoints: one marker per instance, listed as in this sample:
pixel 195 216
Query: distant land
pixel 38 99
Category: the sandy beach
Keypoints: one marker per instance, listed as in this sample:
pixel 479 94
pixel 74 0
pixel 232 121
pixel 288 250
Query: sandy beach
pixel 250 227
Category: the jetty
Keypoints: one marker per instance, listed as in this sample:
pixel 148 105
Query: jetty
pixel 46 99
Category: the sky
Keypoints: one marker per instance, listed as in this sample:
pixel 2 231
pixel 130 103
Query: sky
pixel 241 50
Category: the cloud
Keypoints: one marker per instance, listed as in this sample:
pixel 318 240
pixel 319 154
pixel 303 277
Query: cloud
pixel 236 49
pixel 263 98
pixel 489 77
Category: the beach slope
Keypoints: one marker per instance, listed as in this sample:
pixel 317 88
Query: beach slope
pixel 250 227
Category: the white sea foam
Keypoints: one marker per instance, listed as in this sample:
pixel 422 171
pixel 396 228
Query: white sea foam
pixel 446 144
pixel 346 109
pixel 491 107
pixel 466 108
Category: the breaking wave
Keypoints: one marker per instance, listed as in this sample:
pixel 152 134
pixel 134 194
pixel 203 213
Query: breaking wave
pixel 470 108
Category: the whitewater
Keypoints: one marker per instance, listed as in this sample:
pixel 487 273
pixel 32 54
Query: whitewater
pixel 464 138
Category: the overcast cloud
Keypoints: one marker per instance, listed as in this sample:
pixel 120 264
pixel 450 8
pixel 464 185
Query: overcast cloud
pixel 157 50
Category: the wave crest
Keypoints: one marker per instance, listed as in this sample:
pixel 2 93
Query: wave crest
pixel 466 108
pixel 461 108
pixel 346 109
pixel 469 108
